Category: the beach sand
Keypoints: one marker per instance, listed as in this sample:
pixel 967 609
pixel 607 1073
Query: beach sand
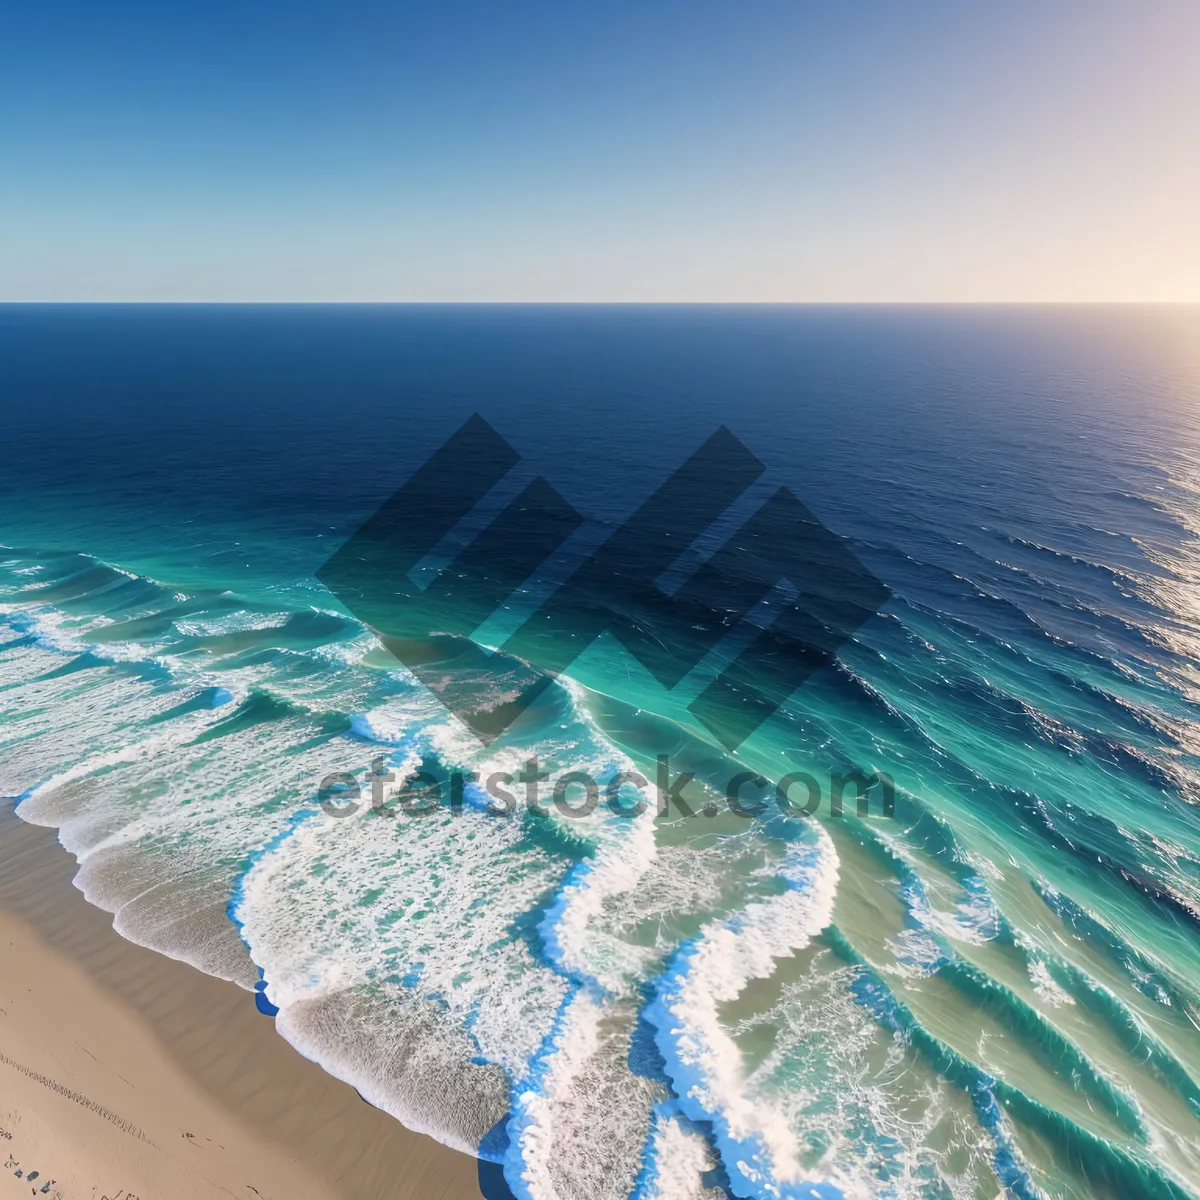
pixel 125 1075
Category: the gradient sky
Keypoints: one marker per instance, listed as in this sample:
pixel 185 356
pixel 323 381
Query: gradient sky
pixel 748 150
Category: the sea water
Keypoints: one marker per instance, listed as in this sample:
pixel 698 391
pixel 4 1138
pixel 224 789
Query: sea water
pixel 996 986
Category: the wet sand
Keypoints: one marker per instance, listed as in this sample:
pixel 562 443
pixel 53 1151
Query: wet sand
pixel 127 1076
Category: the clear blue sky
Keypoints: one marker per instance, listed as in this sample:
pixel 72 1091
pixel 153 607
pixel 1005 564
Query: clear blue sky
pixel 660 150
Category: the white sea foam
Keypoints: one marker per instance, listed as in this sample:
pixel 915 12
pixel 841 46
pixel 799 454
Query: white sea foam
pixel 532 1129
pixel 580 1118
pixel 1046 986
pixel 677 1158
pixel 754 1138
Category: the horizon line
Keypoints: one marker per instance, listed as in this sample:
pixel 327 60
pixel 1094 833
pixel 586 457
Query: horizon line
pixel 341 303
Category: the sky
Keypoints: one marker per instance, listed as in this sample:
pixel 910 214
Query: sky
pixel 525 150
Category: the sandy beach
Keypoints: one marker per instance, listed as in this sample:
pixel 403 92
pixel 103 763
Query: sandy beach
pixel 128 1076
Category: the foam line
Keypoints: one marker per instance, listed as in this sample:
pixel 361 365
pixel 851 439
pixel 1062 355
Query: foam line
pixel 702 1060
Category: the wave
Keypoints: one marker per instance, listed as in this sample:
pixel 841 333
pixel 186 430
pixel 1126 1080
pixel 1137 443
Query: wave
pixel 700 1059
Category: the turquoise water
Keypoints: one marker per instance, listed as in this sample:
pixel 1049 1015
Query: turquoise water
pixel 997 987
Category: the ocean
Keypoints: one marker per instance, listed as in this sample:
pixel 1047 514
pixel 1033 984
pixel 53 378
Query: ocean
pixel 991 983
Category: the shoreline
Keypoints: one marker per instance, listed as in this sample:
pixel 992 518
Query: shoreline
pixel 127 1075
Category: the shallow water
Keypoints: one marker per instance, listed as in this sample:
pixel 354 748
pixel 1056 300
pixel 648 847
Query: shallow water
pixel 998 986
